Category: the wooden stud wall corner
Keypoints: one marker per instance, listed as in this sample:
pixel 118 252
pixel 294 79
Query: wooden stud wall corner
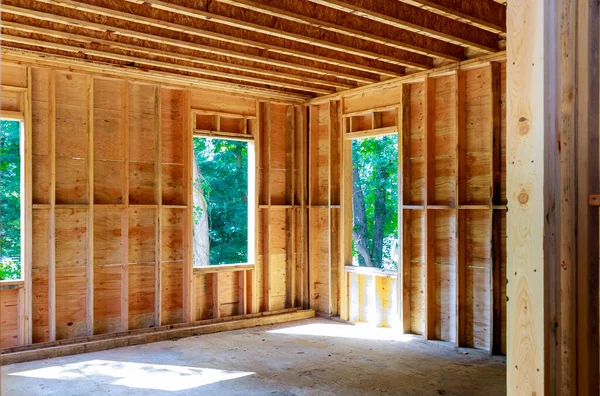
pixel 451 205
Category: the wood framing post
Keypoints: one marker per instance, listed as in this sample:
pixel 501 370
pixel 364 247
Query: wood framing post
pixel 552 168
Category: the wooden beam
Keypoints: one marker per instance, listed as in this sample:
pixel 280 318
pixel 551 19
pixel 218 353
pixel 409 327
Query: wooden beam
pixel 316 15
pixel 154 63
pixel 199 62
pixel 417 20
pixel 440 71
pixel 348 51
pixel 338 58
pixel 196 47
pixel 134 73
pixel 484 14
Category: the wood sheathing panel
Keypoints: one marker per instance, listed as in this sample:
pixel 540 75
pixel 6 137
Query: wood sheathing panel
pixel 9 327
pixel 324 202
pixel 110 207
pixel 453 206
pixel 280 149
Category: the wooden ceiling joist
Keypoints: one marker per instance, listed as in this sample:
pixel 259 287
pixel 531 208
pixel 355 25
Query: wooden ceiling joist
pixel 485 14
pixel 325 85
pixel 138 58
pixel 311 53
pixel 418 20
pixel 302 11
pixel 297 32
pixel 114 30
pixel 127 59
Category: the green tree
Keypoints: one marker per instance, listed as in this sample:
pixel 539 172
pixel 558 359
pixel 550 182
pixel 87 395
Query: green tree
pixel 221 180
pixel 375 200
pixel 10 200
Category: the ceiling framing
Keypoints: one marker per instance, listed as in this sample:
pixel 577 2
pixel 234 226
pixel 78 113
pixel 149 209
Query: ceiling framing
pixel 280 49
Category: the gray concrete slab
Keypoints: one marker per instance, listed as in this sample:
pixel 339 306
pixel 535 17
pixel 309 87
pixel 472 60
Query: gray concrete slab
pixel 310 357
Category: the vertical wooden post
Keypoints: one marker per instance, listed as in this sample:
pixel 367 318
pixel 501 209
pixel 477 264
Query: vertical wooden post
pixel 216 299
pixel 189 300
pixel 495 232
pixel 460 232
pixel 346 296
pixel 52 214
pixel 303 215
pixel 253 251
pixel 242 302
pixel 289 200
pixel 158 202
pixel 429 214
pixel 89 311
pixel 552 163
pixel 588 177
pixel 125 212
pixel 267 181
pixel 403 288
pixel 27 213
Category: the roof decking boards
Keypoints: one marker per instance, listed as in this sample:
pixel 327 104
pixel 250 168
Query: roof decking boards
pixel 283 50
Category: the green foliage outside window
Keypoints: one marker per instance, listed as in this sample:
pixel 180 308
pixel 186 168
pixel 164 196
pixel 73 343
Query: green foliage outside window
pixel 375 201
pixel 220 202
pixel 10 200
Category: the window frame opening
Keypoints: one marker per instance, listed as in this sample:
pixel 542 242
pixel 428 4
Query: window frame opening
pixel 22 202
pixel 393 250
pixel 251 205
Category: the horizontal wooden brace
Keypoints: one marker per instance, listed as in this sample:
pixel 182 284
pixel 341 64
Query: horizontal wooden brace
pixel 213 269
pixel 371 132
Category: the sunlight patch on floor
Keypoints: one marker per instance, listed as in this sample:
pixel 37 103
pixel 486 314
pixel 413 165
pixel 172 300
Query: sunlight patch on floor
pixel 136 375
pixel 361 331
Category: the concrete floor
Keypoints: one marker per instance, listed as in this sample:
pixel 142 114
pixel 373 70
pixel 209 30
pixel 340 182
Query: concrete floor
pixel 310 357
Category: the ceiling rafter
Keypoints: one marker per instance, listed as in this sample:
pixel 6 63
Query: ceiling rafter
pixel 153 52
pixel 418 20
pixel 333 57
pixel 321 17
pixel 117 32
pixel 297 32
pixel 485 14
pixel 179 43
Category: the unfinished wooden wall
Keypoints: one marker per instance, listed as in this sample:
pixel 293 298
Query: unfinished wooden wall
pixel 110 207
pixel 453 206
